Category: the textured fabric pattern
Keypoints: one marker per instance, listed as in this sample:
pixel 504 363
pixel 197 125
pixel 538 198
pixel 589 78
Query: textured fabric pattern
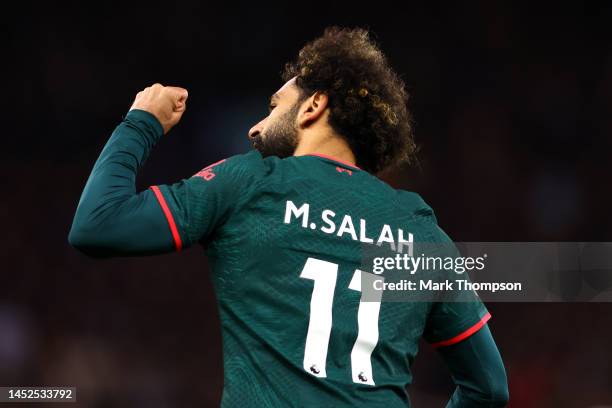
pixel 239 217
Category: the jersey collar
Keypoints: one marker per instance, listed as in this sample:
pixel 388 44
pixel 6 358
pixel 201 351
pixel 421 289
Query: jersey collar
pixel 324 156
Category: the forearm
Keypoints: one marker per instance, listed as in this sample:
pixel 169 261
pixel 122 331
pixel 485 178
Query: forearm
pixel 111 218
pixel 478 371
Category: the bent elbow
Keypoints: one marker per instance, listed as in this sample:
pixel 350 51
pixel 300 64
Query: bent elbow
pixel 497 389
pixel 500 395
pixel 77 238
pixel 86 241
pixel 490 392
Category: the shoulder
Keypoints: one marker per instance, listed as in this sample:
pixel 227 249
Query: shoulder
pixel 424 216
pixel 418 208
pixel 247 167
pixel 425 225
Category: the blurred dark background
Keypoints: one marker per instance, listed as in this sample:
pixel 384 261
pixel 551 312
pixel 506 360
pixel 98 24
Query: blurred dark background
pixel 513 111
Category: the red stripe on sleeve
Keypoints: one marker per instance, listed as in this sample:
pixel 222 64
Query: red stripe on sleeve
pixel 465 334
pixel 162 202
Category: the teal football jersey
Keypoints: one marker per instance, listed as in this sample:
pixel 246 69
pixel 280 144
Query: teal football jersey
pixel 285 239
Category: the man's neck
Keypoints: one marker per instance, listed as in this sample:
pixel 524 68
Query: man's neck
pixel 334 147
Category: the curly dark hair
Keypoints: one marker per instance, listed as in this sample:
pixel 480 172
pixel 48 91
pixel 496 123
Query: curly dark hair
pixel 367 99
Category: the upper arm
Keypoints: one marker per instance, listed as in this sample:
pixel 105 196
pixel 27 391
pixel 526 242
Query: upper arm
pixel 457 327
pixel 129 225
pixel 449 323
pixel 458 314
pixel 195 207
pixel 165 218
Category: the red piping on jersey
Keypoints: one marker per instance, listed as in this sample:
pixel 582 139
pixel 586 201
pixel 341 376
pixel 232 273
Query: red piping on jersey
pixel 162 202
pixel 465 334
pixel 331 158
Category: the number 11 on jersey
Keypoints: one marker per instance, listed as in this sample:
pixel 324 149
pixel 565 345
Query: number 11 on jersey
pixel 324 274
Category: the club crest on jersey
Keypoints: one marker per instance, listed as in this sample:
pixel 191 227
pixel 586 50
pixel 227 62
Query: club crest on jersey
pixel 207 172
pixel 343 170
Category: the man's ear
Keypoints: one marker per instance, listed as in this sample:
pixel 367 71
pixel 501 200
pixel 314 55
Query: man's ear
pixel 312 109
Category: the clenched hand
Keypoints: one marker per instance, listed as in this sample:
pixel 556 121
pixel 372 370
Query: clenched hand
pixel 166 103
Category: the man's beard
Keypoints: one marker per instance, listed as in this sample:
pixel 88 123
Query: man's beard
pixel 280 138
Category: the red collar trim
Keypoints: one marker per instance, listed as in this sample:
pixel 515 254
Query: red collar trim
pixel 333 159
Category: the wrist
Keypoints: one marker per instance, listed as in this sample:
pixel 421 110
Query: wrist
pixel 148 122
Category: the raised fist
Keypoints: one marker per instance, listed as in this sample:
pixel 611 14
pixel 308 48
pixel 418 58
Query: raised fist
pixel 166 103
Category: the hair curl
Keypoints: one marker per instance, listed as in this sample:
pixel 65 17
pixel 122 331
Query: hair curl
pixel 367 99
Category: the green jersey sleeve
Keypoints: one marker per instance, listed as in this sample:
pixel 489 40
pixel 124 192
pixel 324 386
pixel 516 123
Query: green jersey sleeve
pixel 197 206
pixel 450 322
pixel 478 372
pixel 113 219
